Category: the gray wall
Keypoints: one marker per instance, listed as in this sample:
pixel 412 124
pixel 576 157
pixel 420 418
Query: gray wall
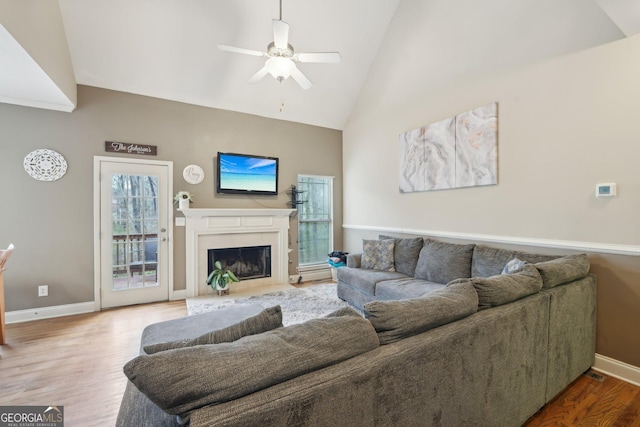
pixel 564 125
pixel 51 223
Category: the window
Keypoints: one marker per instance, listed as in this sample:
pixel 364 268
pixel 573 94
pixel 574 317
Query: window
pixel 315 219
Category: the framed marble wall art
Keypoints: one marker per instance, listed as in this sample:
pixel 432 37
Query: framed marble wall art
pixel 461 151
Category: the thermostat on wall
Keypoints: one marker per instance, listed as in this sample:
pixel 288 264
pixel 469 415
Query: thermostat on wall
pixel 606 190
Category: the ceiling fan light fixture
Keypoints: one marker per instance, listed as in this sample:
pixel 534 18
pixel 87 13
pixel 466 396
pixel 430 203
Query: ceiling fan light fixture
pixel 280 68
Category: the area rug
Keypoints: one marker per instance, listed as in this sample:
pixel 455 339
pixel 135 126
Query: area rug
pixel 298 305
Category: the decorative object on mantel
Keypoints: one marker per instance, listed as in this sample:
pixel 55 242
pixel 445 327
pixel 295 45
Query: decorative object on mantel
pixel 45 165
pixel 193 174
pixel 183 198
pixel 125 147
pixel 220 277
pixel 460 151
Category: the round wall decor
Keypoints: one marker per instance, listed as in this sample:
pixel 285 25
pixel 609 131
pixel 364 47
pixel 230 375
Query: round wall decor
pixel 45 165
pixel 193 174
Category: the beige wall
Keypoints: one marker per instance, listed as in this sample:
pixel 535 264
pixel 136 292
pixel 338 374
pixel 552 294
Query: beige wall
pixel 564 125
pixel 51 223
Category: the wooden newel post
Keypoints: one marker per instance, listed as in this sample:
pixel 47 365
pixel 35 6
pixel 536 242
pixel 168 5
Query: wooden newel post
pixel 4 256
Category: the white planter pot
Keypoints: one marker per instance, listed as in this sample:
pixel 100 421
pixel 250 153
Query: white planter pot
pixel 183 204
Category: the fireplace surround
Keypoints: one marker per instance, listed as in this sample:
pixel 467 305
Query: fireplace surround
pixel 231 228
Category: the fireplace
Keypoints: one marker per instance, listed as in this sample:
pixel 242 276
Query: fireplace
pixel 229 228
pixel 247 262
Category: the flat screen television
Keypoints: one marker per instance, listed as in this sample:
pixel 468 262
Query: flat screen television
pixel 246 174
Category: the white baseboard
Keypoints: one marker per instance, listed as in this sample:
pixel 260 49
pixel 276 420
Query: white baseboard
pixel 49 312
pixel 308 276
pixel 176 295
pixel 617 369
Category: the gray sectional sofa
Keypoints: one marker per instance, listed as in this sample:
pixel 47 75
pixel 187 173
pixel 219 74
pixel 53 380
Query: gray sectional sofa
pixel 454 335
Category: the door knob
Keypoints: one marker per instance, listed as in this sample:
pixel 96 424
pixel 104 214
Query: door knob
pixel 163 230
pixel 164 239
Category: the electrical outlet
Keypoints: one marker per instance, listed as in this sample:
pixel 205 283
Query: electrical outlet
pixel 43 290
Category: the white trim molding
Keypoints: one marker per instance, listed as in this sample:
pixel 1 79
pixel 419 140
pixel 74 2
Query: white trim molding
pixel 605 248
pixel 20 316
pixel 617 369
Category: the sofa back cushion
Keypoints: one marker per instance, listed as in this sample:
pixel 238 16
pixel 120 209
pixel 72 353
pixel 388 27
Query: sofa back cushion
pixel 395 320
pixel 488 261
pixel 562 270
pixel 270 318
pixel 504 288
pixel 442 262
pixel 184 379
pixel 405 253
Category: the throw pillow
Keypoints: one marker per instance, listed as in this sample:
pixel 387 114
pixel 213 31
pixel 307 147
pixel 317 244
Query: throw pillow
pixel 442 262
pixel 266 320
pixel 395 320
pixel 502 289
pixel 513 266
pixel 562 270
pixel 378 254
pixel 184 379
pixel 405 253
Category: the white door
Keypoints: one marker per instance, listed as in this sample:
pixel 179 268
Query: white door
pixel 134 238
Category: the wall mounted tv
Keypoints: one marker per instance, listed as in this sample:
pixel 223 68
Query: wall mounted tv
pixel 246 174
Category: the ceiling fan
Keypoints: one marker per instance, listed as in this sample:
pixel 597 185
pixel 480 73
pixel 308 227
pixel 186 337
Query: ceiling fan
pixel 281 58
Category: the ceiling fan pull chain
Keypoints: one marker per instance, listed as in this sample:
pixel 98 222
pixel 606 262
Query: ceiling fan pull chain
pixel 281 94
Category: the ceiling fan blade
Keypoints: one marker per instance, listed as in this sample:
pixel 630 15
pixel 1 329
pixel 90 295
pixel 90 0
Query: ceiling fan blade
pixel 302 80
pixel 280 34
pixel 240 50
pixel 259 75
pixel 324 57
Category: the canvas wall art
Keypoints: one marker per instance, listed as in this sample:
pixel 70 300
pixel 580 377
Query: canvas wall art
pixel 461 151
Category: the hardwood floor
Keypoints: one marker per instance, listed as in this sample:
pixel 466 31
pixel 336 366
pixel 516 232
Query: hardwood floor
pixel 588 402
pixel 76 361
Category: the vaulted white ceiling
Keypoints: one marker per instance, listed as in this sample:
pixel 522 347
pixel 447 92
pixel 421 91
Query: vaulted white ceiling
pixel 167 49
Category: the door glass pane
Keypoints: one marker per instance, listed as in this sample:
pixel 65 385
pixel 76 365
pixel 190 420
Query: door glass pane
pixel 315 226
pixel 134 211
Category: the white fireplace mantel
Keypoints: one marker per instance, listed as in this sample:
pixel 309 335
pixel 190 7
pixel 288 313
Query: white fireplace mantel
pixel 228 227
pixel 229 212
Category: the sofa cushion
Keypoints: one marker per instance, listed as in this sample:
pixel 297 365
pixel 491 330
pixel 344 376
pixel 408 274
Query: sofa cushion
pixel 378 254
pixel 404 288
pixel 405 253
pixel 365 280
pixel 184 379
pixel 534 258
pixel 504 288
pixel 488 261
pixel 442 262
pixel 395 320
pixel 270 318
pixel 562 270
pixel 514 266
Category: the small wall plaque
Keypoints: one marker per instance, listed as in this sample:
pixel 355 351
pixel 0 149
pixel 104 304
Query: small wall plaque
pixel 193 174
pixel 125 147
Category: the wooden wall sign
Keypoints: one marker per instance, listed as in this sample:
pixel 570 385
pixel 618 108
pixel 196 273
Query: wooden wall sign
pixel 125 147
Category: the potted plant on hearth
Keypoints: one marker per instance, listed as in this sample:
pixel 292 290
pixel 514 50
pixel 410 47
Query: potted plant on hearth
pixel 220 277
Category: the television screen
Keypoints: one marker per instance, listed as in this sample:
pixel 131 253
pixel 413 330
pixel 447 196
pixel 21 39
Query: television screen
pixel 245 174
